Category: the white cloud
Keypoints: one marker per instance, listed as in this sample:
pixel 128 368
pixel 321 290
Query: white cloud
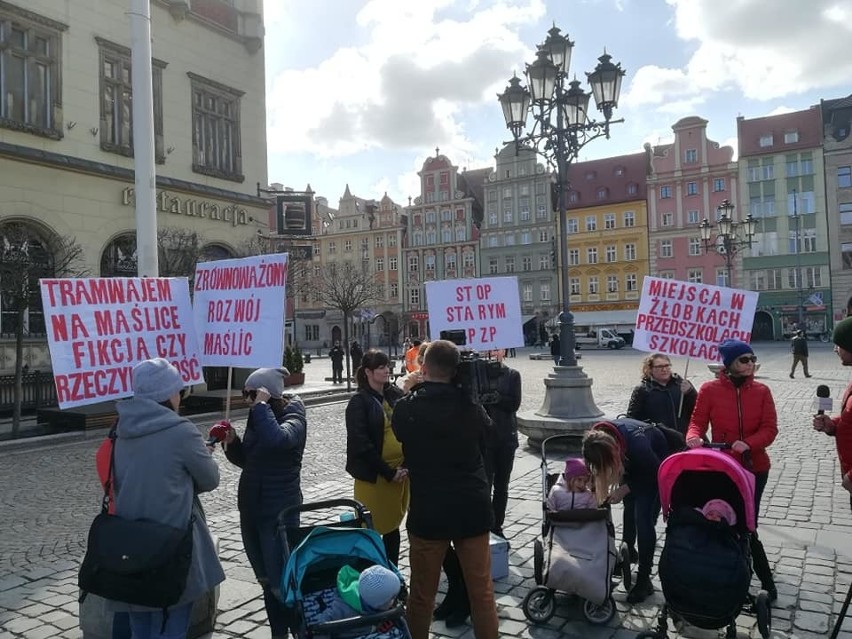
pixel 765 50
pixel 407 86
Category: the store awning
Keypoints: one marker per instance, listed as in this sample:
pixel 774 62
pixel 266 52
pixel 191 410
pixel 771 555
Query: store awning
pixel 617 318
pixel 527 318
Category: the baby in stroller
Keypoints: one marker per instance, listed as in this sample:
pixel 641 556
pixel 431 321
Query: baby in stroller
pixel 373 590
pixel 571 490
pixel 576 552
pixel 707 499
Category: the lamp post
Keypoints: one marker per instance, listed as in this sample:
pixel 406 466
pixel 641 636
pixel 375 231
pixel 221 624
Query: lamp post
pixel 731 237
pixel 560 128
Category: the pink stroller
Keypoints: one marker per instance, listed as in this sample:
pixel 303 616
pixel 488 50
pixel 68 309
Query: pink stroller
pixel 705 566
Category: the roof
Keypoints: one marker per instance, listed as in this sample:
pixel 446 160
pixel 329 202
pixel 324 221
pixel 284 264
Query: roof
pixel 614 174
pixel 807 123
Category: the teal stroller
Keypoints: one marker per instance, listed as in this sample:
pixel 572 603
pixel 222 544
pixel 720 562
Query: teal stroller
pixel 314 554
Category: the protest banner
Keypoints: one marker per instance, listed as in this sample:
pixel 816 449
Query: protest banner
pixel 239 308
pixel 488 309
pixel 689 320
pixel 98 329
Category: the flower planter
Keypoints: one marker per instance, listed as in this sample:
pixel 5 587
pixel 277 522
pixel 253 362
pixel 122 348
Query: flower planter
pixel 294 379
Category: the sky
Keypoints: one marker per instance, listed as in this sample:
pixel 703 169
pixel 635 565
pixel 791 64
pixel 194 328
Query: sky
pixel 361 92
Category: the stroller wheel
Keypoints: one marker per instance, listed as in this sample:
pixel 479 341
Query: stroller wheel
pixel 599 615
pixel 764 615
pixel 731 632
pixel 624 565
pixel 539 604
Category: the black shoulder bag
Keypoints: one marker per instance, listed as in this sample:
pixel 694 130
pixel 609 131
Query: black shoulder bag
pixel 139 562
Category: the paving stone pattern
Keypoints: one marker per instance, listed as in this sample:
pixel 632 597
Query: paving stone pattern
pixel 50 495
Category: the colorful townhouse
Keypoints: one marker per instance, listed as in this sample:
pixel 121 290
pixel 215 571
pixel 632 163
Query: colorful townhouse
pixel 689 179
pixel 607 235
pixel 782 185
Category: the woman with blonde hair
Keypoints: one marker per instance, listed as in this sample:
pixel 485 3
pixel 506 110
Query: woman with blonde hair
pixel 623 457
pixel 662 397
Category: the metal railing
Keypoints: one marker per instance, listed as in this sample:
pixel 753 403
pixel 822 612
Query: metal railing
pixel 39 391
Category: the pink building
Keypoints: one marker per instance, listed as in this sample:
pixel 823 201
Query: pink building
pixel 688 181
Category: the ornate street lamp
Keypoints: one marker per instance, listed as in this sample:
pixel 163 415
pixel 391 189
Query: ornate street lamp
pixel 731 237
pixel 560 128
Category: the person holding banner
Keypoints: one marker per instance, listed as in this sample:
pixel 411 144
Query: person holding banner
pixel 270 456
pixel 740 411
pixel 662 397
pixel 373 454
pixel 160 464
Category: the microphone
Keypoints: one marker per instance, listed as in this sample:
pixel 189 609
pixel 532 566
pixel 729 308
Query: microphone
pixel 823 401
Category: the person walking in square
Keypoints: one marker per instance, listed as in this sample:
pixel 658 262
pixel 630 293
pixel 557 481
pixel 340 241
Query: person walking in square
pixel 799 348
pixel 336 357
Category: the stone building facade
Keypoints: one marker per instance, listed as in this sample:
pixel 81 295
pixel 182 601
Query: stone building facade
pixel 66 148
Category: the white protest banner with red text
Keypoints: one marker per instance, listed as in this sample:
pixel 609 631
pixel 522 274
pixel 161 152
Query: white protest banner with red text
pixel 98 329
pixel 488 309
pixel 239 311
pixel 689 320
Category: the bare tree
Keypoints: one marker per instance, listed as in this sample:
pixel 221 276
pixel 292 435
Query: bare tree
pixel 179 251
pixel 346 288
pixel 24 258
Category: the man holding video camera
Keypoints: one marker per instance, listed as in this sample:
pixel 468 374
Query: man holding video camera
pixel 441 431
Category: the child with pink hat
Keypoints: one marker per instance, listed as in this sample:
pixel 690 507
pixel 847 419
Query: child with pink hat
pixel 719 510
pixel 572 490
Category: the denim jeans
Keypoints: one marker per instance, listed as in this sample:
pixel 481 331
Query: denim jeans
pixel 426 557
pixel 646 510
pixel 263 548
pixel 148 625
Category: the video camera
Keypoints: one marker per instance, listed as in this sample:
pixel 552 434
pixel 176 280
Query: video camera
pixel 475 375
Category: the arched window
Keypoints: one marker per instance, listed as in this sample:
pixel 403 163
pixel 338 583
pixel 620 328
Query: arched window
pixel 213 252
pixel 119 257
pixel 24 258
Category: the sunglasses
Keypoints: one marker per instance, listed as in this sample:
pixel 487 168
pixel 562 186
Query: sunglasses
pixel 250 394
pixel 747 359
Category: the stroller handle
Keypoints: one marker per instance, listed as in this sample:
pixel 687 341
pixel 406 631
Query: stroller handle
pixel 726 446
pixel 363 514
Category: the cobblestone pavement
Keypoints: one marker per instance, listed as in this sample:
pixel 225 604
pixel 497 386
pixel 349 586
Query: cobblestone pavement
pixel 50 494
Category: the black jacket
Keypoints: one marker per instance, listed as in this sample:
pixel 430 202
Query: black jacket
pixel 270 454
pixel 799 346
pixel 365 434
pixel 503 414
pixel 441 433
pixel 336 356
pixel 653 402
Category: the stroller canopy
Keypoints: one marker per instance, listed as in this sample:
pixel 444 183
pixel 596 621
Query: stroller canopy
pixel 323 543
pixel 703 460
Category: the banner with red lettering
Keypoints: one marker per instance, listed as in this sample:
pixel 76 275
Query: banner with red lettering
pixel 239 311
pixel 98 329
pixel 690 320
pixel 488 309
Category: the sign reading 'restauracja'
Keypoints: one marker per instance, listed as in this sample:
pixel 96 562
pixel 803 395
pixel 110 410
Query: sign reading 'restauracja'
pixel 98 329
pixel 689 320
pixel 239 310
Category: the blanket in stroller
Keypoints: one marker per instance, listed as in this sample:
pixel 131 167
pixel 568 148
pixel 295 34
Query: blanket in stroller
pixel 704 569
pixel 580 558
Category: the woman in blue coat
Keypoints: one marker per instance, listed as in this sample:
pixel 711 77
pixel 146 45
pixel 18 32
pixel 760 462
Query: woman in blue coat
pixel 270 454
pixel 623 456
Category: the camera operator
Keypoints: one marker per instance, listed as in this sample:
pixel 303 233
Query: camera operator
pixel 441 431
pixel 503 438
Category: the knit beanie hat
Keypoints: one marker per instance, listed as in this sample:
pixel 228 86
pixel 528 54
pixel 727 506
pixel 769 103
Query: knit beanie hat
pixel 731 349
pixel 378 587
pixel 842 335
pixel 575 467
pixel 156 379
pixel 723 508
pixel 272 379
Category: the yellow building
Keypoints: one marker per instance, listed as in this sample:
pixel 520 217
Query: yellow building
pixel 66 148
pixel 607 233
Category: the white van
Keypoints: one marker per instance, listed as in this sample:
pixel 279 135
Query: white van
pixel 598 337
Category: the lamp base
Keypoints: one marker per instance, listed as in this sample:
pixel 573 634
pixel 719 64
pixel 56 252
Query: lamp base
pixel 568 408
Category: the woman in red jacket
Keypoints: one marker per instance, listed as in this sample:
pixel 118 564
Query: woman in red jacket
pixel 741 412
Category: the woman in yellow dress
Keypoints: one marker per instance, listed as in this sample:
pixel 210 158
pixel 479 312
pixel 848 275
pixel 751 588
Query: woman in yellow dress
pixel 373 454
